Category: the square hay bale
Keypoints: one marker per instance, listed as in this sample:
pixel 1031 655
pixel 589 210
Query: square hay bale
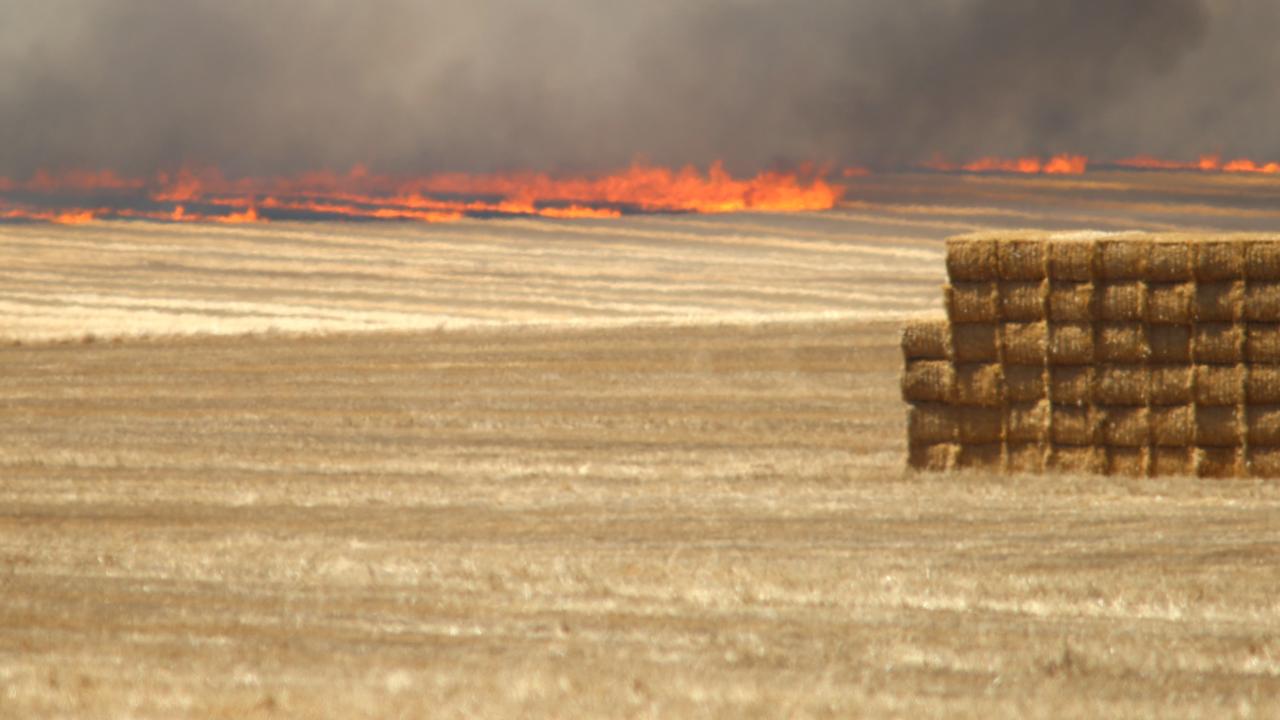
pixel 970 258
pixel 981 457
pixel 1022 259
pixel 1025 383
pixel 980 425
pixel 1025 343
pixel 1071 344
pixel 1122 258
pixel 979 384
pixel 932 423
pixel 1220 462
pixel 933 457
pixel 1078 459
pixel 1071 385
pixel 1172 426
pixel 1217 260
pixel 1120 300
pixel 1171 303
pixel 1027 422
pixel 1263 425
pixel 975 342
pixel 1023 300
pixel 1218 343
pixel 929 381
pixel 1262 385
pixel 972 302
pixel 1169 343
pixel 1128 461
pixel 1262 343
pixel 1221 426
pixel 1071 302
pixel 1126 426
pixel 1264 462
pixel 1169 261
pixel 1170 384
pixel 926 340
pixel 1173 461
pixel 1220 301
pixel 1121 385
pixel 1071 259
pixel 1121 342
pixel 1075 425
pixel 1025 457
pixel 1219 384
pixel 1262 301
pixel 1262 259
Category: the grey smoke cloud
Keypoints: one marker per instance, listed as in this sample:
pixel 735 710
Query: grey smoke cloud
pixel 279 86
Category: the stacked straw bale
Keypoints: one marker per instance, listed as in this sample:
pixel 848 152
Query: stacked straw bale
pixel 1122 354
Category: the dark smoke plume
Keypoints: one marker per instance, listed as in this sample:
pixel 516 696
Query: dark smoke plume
pixel 281 86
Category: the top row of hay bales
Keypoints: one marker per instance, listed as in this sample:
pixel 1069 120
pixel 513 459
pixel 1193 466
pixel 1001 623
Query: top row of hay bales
pixel 1120 256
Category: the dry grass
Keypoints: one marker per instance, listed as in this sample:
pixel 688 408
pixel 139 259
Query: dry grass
pixel 700 521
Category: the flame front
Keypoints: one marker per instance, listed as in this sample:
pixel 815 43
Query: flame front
pixel 196 195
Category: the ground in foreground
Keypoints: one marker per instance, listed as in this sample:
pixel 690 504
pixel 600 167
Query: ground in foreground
pixel 700 520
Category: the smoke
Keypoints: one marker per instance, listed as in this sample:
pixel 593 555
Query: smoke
pixel 281 86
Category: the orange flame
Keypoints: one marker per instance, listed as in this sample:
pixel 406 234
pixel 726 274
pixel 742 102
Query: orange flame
pixel 1062 164
pixel 1206 163
pixel 442 197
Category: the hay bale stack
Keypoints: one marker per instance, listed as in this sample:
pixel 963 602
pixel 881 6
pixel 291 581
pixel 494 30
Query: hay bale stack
pixel 1127 354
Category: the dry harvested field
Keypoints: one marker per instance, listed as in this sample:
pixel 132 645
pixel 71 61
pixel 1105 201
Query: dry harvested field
pixel 651 467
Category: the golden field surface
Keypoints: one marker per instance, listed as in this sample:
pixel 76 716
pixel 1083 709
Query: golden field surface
pixel 650 467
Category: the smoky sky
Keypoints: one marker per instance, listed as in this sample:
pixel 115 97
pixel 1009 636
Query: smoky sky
pixel 282 86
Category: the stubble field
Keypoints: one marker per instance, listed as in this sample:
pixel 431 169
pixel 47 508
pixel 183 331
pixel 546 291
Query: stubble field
pixel 646 468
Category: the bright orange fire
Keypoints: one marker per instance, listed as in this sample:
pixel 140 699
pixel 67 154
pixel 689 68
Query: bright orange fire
pixel 207 195
pixel 1063 164
pixel 1206 163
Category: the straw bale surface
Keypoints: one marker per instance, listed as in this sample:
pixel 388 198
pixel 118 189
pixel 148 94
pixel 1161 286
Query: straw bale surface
pixel 972 259
pixel 1024 343
pixel 1121 342
pixel 1262 344
pixel 1220 301
pixel 1263 425
pixel 926 340
pixel 1171 302
pixel 981 457
pixel 1169 343
pixel 929 381
pixel 1262 385
pixel 1128 461
pixel 1221 343
pixel 1027 422
pixel 1120 300
pixel 1022 259
pixel 1219 426
pixel 1126 426
pixel 1025 383
pixel 973 302
pixel 1122 258
pixel 1071 385
pixel 1262 300
pixel 1170 384
pixel 1071 344
pixel 976 342
pixel 1217 260
pixel 1023 300
pixel 1071 302
pixel 1172 426
pixel 979 384
pixel 1219 384
pixel 1219 462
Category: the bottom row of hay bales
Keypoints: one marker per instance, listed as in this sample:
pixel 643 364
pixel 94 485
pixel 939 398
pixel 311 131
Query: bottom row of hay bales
pixel 1222 462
